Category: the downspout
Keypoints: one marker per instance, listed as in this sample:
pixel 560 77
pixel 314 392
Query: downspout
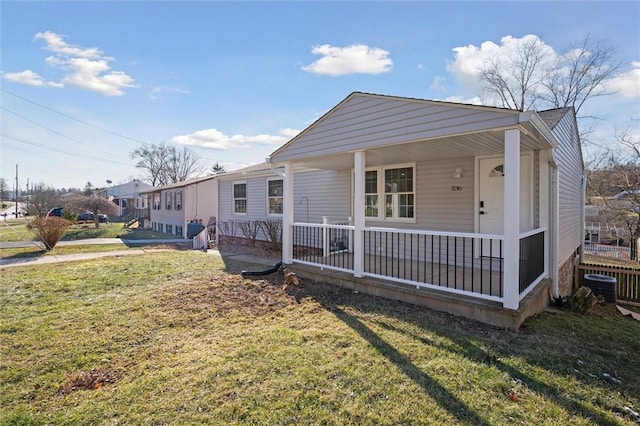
pixel 554 207
pixel 583 196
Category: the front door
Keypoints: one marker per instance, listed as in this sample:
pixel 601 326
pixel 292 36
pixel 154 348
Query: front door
pixel 491 199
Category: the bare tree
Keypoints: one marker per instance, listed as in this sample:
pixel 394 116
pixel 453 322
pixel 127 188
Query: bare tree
pixel 42 199
pixel 579 74
pixel 3 189
pixel 514 81
pixel 166 164
pixel 527 78
pixel 95 205
pixel 180 165
pixel 616 186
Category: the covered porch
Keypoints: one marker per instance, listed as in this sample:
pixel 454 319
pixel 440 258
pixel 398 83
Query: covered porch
pixel 418 215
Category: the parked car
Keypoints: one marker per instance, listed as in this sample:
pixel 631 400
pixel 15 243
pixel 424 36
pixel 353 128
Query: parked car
pixel 88 217
pixel 56 211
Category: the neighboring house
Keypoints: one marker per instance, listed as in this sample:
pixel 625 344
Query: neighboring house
pixel 173 207
pixel 474 210
pixel 127 196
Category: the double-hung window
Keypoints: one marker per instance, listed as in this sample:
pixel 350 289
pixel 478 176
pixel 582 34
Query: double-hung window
pixel 156 201
pixel 394 186
pixel 274 196
pixel 240 197
pixel 168 196
pixel 178 200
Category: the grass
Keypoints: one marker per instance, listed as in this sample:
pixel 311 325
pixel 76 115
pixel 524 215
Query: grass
pixel 16 230
pixel 182 338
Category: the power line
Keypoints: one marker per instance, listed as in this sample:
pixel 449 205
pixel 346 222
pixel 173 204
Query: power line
pixel 58 133
pixel 44 146
pixel 76 119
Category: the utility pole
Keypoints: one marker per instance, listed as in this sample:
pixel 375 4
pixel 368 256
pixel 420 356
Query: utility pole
pixel 17 190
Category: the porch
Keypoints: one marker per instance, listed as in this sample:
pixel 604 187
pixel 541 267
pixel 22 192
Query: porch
pixel 456 264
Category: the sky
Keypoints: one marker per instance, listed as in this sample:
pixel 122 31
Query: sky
pixel 84 84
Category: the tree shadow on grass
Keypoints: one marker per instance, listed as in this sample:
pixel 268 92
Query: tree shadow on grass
pixel 466 344
pixel 435 390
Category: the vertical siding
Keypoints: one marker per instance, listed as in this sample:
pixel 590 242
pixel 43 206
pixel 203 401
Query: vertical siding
pixel 570 170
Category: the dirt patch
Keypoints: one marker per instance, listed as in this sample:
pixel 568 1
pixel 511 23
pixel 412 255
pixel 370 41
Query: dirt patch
pixel 88 380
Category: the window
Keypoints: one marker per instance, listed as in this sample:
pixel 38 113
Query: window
pixel 274 194
pixel 167 198
pixel 395 186
pixel 240 197
pixel 371 193
pixel 178 201
pixel 179 230
pixel 156 201
pixel 169 228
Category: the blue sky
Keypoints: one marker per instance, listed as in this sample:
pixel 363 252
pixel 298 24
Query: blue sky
pixel 86 83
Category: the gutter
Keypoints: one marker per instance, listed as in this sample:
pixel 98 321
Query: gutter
pixel 535 120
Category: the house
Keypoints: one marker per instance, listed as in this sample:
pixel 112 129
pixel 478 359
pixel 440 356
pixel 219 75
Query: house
pixel 474 210
pixel 173 207
pixel 128 196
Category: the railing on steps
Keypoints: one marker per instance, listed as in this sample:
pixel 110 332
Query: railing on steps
pixel 201 241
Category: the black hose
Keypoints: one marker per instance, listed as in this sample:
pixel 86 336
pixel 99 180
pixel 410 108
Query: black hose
pixel 265 272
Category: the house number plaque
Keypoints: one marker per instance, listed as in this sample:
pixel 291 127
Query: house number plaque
pixel 456 188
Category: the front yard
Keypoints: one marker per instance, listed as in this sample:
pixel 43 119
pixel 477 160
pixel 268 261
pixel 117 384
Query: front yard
pixel 181 338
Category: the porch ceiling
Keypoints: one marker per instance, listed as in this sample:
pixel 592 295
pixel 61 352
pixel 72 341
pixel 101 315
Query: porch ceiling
pixel 469 145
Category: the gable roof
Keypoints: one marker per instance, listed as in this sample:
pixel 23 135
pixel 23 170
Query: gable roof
pixel 552 117
pixel 364 121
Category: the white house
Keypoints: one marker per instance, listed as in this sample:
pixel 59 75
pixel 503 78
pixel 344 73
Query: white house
pixel 128 196
pixel 464 208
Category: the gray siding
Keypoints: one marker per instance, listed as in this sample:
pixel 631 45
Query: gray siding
pixel 438 208
pixel 570 170
pixel 365 121
pixel 328 194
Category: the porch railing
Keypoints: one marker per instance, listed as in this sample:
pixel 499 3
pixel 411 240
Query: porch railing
pixel 201 241
pixel 456 262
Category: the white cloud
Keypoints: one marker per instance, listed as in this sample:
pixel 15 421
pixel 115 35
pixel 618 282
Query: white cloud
pixel 354 59
pixel 627 84
pixel 25 77
pixel 470 59
pixel 437 83
pixel 56 44
pixel 157 91
pixel 215 139
pixel 462 100
pixel 86 68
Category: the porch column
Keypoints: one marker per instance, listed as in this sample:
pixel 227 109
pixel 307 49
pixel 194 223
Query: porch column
pixel 358 214
pixel 287 214
pixel 511 251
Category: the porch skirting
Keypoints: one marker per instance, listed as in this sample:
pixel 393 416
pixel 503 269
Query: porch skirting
pixel 485 311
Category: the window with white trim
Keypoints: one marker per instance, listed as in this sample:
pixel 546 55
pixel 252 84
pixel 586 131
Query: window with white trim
pixel 395 187
pixel 275 196
pixel 156 201
pixel 168 196
pixel 240 197
pixel 178 201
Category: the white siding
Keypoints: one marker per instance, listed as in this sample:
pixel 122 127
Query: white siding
pixel 570 170
pixel 366 121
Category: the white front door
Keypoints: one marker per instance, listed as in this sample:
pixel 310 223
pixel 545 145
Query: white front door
pixel 491 199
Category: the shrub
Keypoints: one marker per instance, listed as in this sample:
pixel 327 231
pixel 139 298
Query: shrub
pixel 227 227
pixel 272 230
pixel 69 215
pixel 250 229
pixel 49 230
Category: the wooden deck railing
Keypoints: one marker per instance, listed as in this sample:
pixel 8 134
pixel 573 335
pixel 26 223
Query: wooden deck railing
pixel 627 279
